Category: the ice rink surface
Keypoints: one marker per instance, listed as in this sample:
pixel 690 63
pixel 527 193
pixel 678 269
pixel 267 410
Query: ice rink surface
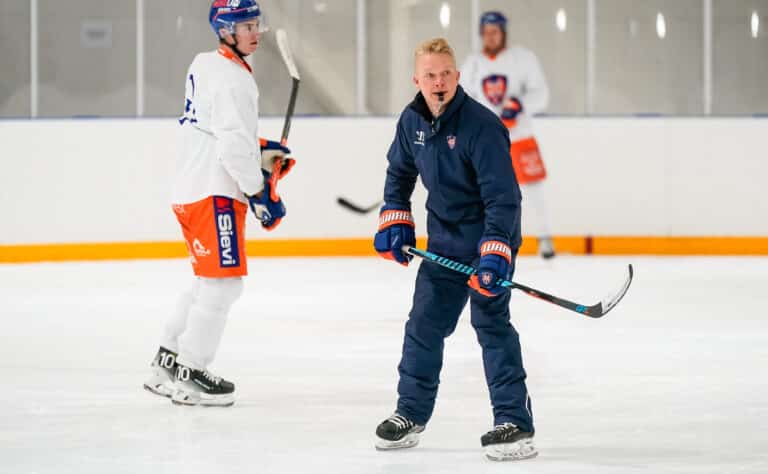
pixel 673 380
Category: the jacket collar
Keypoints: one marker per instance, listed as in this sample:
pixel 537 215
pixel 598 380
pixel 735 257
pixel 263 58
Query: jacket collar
pixel 419 105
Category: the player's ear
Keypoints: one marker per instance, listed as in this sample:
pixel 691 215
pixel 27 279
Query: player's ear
pixel 225 35
pixel 416 81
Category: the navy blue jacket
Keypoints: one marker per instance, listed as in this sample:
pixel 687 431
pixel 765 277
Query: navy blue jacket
pixel 463 160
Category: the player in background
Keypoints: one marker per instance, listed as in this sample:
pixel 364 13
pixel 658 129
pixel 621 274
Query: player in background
pixel 222 168
pixel 461 151
pixel 510 82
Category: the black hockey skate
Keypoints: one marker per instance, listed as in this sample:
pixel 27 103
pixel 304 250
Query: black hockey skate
pixel 397 432
pixel 163 369
pixel 506 442
pixel 200 387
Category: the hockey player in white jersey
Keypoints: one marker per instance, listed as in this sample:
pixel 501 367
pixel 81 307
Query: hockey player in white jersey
pixel 509 81
pixel 222 168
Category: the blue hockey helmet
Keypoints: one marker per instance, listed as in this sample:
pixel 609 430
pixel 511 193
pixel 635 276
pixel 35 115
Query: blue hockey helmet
pixel 493 18
pixel 226 13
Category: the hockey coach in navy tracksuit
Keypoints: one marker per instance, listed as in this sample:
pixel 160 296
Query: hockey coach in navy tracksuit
pixel 461 151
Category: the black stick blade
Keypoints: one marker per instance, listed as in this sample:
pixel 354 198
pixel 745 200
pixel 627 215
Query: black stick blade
pixel 350 206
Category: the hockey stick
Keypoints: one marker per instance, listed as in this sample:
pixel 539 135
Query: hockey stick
pixel 285 52
pixel 595 311
pixel 355 208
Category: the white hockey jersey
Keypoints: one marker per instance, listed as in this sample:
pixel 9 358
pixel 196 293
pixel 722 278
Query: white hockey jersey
pixel 219 152
pixel 515 72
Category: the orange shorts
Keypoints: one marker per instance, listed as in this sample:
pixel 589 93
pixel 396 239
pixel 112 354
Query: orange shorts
pixel 214 231
pixel 527 162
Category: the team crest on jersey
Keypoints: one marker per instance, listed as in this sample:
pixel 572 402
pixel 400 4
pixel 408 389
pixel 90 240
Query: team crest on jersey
pixel 226 231
pixel 451 142
pixel 495 88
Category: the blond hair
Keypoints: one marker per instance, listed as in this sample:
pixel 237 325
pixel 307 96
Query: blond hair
pixel 434 46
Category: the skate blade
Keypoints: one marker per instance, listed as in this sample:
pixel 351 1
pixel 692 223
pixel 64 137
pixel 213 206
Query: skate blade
pixel 408 441
pixel 523 449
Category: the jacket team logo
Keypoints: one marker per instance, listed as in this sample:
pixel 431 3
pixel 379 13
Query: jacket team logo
pixel 495 88
pixel 451 142
pixel 226 231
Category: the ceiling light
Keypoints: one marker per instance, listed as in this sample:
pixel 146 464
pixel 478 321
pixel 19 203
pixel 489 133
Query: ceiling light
pixel 661 26
pixel 445 15
pixel 755 23
pixel 561 20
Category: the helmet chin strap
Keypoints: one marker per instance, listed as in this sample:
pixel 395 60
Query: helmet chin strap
pixel 234 46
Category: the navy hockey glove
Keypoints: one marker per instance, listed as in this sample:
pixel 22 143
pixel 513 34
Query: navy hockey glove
pixel 512 107
pixel 267 205
pixel 495 263
pixel 396 228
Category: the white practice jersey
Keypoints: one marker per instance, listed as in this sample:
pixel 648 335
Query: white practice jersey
pixel 515 72
pixel 219 152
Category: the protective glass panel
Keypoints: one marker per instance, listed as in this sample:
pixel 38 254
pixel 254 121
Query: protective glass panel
pixel 174 31
pixel 322 35
pixel 740 57
pixel 14 55
pixel 554 30
pixel 395 29
pixel 87 58
pixel 649 57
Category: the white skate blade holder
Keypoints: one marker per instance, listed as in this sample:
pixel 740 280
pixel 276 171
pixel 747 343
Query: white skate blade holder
pixel 159 383
pixel 163 388
pixel 193 398
pixel 517 451
pixel 408 441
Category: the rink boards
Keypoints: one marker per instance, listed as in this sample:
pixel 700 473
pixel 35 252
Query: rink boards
pixel 100 189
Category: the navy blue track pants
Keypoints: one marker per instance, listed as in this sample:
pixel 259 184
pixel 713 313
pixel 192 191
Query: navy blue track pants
pixel 439 298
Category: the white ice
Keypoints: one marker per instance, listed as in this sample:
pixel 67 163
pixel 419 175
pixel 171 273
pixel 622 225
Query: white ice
pixel 673 380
